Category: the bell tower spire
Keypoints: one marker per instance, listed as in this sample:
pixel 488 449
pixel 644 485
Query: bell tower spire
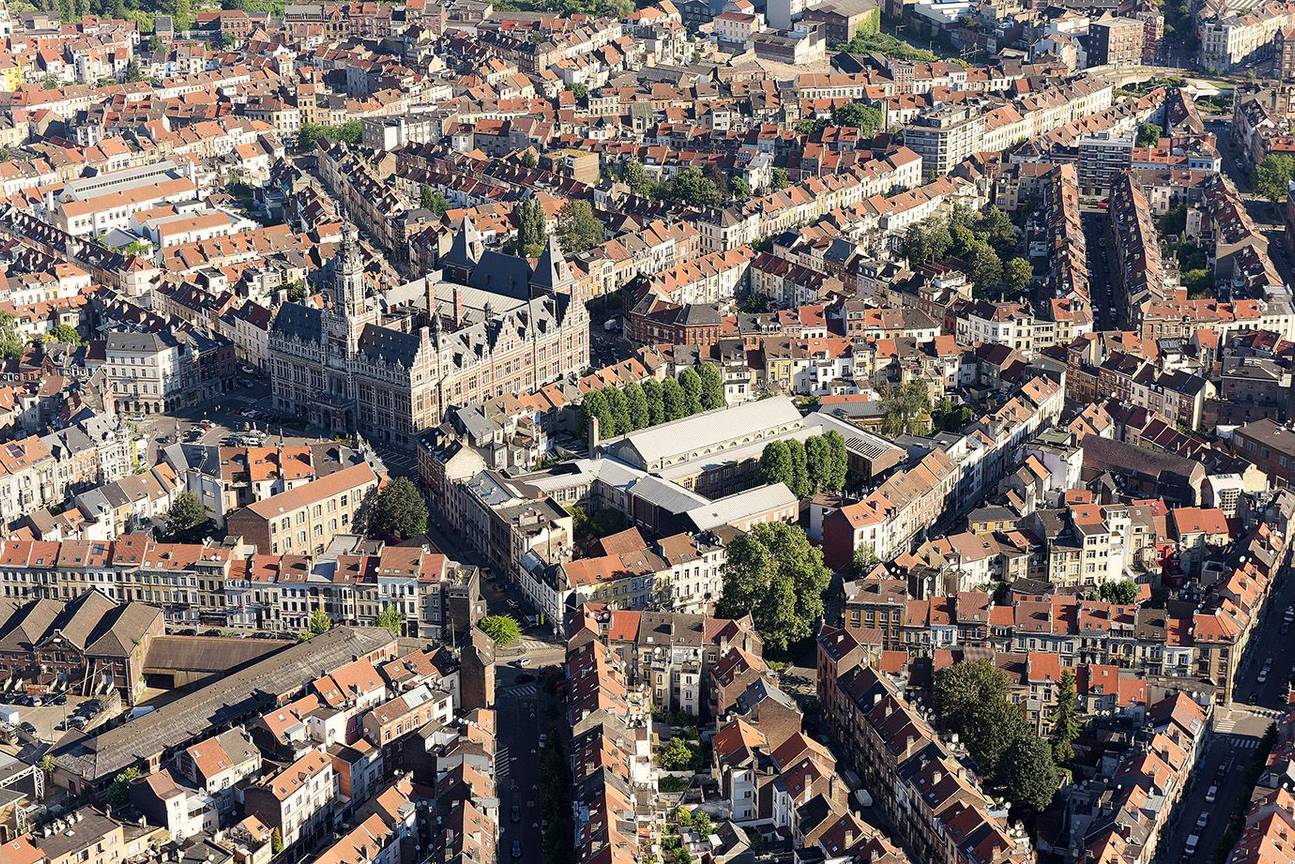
pixel 348 276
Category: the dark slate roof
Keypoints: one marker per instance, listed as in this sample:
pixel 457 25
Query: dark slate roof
pixel 502 274
pixel 387 345
pixel 302 322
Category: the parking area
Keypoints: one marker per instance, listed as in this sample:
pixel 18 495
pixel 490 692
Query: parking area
pixel 53 718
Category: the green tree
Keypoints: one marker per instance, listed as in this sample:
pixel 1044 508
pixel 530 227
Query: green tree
pixel 391 619
pixel 119 791
pixel 308 137
pixel 780 179
pixel 132 72
pixel 800 485
pixel 864 559
pixel 673 400
pixel 701 823
pixel 1148 134
pixel 636 177
pixel 531 231
pixel 578 229
pixel 47 764
pixel 502 629
pixel 691 187
pixel 690 382
pixel 712 387
pixel 655 401
pixel 986 268
pixel 182 16
pixel 779 578
pixel 740 188
pixel 399 511
pixel 676 755
pixel 1065 727
pixel 638 406
pixel 949 416
pixel 865 118
pixel 320 622
pixel 594 404
pixel 835 481
pixel 818 460
pixel 1017 274
pixel 1027 773
pixel 775 463
pixel 276 842
pixel 1273 176
pixel 1198 281
pixel 904 408
pixel 185 517
pixel 995 227
pixel 1122 592
pixel 620 409
pixel 65 333
pixel 581 92
pixel 11 341
pixel 296 291
pixel 430 199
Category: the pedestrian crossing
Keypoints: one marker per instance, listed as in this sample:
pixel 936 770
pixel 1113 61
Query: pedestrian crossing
pixel 525 691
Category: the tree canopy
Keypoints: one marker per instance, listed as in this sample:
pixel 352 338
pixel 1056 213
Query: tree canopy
pixel 972 699
pixel 905 409
pixel 776 575
pixel 186 519
pixel 531 231
pixel 399 511
pixel 1123 591
pixel 1273 176
pixel 502 629
pixel 578 228
pixel 692 187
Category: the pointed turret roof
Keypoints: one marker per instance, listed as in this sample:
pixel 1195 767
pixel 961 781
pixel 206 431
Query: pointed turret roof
pixel 548 273
pixel 465 251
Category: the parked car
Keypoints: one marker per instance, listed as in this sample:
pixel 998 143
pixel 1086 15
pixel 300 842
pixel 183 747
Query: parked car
pixel 517 848
pixel 1211 793
pixel 515 814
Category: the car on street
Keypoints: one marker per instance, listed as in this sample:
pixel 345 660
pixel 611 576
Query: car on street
pixel 1211 793
pixel 524 662
pixel 1202 820
pixel 517 848
pixel 515 813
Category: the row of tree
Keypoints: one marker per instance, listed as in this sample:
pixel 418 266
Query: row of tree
pixel 972 700
pixel 821 462
pixel 779 578
pixel 621 410
pixel 310 134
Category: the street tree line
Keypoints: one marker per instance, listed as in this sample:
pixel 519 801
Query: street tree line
pixel 621 410
pixel 820 462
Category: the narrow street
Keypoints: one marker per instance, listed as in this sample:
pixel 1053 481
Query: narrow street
pixel 1237 730
pixel 526 710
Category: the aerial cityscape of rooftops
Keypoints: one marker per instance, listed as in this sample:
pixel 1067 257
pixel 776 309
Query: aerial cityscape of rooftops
pixel 647 432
